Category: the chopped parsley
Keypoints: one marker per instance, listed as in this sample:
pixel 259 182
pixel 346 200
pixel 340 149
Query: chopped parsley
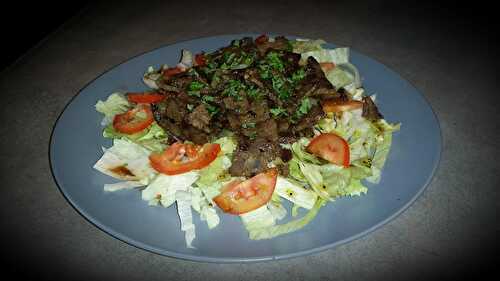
pixel 275 61
pixel 298 75
pixel 233 89
pixel 281 87
pixel 254 93
pixel 248 125
pixel 303 109
pixel 278 111
pixel 207 98
pixel 194 88
pixel 212 109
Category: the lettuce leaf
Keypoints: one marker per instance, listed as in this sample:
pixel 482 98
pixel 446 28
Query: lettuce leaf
pixel 200 204
pixel 164 187
pixel 337 55
pixel 127 161
pixel 262 228
pixel 116 103
pixel 153 137
pixel 183 199
pixel 297 194
pixel 302 46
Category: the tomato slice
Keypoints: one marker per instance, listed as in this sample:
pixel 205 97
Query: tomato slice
pixel 327 66
pixel 241 197
pixel 200 59
pixel 261 39
pixel 338 106
pixel 145 97
pixel 181 158
pixel 330 147
pixel 134 120
pixel 171 71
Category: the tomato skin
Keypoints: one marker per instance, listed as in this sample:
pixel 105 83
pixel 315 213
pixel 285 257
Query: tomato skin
pixel 173 160
pixel 339 106
pixel 130 123
pixel 171 71
pixel 261 39
pixel 327 66
pixel 241 197
pixel 330 147
pixel 145 97
pixel 200 59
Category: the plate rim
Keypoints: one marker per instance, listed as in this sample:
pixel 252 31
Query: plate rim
pixel 209 259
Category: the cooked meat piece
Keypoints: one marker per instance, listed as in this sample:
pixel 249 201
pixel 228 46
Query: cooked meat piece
pixel 200 118
pixel 254 160
pixel 310 119
pixel 180 81
pixel 252 75
pixel 370 110
pixel 268 130
pixel 283 170
pixel 283 126
pixel 286 155
pixel 240 106
pixel 196 136
pixel 280 43
pixel 175 109
pixel 233 121
pixel 260 109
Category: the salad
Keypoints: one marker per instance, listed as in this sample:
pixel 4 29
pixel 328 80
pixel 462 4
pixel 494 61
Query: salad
pixel 245 129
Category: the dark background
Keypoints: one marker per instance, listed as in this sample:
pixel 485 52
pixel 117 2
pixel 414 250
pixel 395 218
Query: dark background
pixel 470 28
pixel 25 24
pixel 473 22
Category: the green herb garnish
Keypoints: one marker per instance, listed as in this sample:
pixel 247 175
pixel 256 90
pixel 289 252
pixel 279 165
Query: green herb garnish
pixel 254 93
pixel 303 109
pixel 248 125
pixel 278 111
pixel 233 89
pixel 275 62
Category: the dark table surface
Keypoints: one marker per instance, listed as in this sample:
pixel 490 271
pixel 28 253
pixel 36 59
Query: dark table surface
pixel 450 230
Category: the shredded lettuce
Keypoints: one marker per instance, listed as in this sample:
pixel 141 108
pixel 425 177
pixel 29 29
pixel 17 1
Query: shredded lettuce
pixel 258 218
pixel 261 227
pixel 183 199
pixel 295 193
pixel 153 137
pixel 127 161
pixel 337 55
pixel 116 103
pixel 303 46
pixel 380 157
pixel 202 205
pixel 112 187
pixel 227 144
pixel 277 210
pixel 164 187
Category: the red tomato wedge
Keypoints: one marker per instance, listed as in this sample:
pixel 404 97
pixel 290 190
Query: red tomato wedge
pixel 261 39
pixel 241 197
pixel 327 66
pixel 200 59
pixel 134 120
pixel 338 106
pixel 171 71
pixel 181 158
pixel 145 97
pixel 330 147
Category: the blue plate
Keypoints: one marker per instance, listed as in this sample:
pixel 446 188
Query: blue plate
pixel 76 145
